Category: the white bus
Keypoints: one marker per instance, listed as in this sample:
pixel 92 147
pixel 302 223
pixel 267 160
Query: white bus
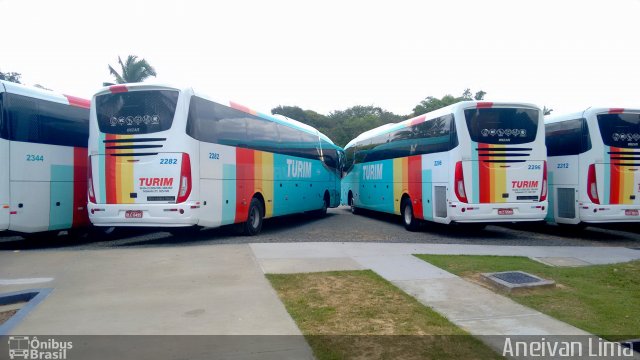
pixel 166 157
pixel 43 157
pixel 594 166
pixel 471 162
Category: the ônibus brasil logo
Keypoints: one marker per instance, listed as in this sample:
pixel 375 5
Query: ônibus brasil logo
pixel 25 347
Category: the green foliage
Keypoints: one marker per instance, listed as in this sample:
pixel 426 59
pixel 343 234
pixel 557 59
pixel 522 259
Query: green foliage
pixel 431 103
pixel 133 70
pixel 546 111
pixel 11 76
pixel 342 125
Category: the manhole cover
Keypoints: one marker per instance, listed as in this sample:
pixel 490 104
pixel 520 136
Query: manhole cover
pixel 516 277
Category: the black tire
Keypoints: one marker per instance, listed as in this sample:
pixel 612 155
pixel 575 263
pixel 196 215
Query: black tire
pixel 253 225
pixel 410 221
pixel 322 212
pixel 354 209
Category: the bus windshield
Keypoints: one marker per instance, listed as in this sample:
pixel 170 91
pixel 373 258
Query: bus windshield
pixel 502 125
pixel 136 112
pixel 620 130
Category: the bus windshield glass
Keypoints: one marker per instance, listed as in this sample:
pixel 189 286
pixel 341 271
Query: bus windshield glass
pixel 136 112
pixel 502 125
pixel 620 130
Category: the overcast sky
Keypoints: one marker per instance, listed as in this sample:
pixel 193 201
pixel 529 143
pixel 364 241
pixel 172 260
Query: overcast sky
pixel 330 55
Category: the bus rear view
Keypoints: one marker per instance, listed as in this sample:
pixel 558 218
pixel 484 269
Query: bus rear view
pixel 135 171
pixel 501 175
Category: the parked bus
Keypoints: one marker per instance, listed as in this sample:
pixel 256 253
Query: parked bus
pixel 165 157
pixel 471 162
pixel 43 155
pixel 594 163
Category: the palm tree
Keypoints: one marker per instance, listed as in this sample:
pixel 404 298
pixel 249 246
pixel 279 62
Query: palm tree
pixel 133 70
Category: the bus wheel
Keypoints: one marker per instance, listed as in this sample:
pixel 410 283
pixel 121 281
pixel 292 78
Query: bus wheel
pixel 253 225
pixel 354 209
pixel 410 222
pixel 322 212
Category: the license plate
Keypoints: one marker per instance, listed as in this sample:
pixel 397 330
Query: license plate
pixel 631 212
pixel 505 211
pixel 133 214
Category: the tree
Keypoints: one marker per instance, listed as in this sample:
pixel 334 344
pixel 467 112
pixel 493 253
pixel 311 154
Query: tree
pixel 11 76
pixel 546 111
pixel 341 125
pixel 133 70
pixel 431 103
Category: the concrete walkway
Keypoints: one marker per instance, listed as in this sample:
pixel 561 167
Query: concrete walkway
pixel 472 307
pixel 221 290
pixel 193 290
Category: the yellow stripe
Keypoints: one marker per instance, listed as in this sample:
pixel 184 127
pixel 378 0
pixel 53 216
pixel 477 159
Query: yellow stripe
pixel 398 170
pixel 627 187
pixel 267 182
pixel 124 176
pixel 499 179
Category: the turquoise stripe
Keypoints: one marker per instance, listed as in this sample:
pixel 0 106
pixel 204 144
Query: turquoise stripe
pixel 475 177
pixel 228 194
pixel 427 195
pixel 101 179
pixel 551 217
pixel 61 197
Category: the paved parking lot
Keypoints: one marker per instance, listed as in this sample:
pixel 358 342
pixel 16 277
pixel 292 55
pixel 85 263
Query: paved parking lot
pixel 341 226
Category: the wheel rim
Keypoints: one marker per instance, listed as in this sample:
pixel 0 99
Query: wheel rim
pixel 408 214
pixel 254 218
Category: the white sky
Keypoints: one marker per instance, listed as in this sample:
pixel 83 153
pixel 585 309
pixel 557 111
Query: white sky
pixel 330 55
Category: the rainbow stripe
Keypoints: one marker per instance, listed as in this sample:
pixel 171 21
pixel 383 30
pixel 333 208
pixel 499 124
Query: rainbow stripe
pixel 68 193
pixel 407 178
pixel 118 175
pixel 492 178
pixel 621 180
pixel 254 173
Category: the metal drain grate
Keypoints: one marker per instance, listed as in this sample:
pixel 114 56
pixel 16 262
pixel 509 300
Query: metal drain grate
pixel 512 280
pixel 516 277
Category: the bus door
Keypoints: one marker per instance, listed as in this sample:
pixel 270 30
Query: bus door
pixel 507 166
pixel 616 181
pixel 131 166
pixel 5 200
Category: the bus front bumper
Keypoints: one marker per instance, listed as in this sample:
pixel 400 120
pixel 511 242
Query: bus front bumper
pixel 490 213
pixel 156 215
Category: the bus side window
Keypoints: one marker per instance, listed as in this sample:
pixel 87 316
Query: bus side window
pixel 46 122
pixel 567 138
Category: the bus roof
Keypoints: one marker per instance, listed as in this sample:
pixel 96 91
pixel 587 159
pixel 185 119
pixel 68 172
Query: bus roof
pixel 281 119
pixel 34 92
pixel 387 128
pixel 590 111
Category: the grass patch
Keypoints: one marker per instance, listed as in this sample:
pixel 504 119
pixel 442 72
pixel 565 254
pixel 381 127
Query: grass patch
pixel 601 299
pixel 359 315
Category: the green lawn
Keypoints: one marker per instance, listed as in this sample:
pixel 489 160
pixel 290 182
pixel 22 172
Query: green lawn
pixel 601 299
pixel 359 315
